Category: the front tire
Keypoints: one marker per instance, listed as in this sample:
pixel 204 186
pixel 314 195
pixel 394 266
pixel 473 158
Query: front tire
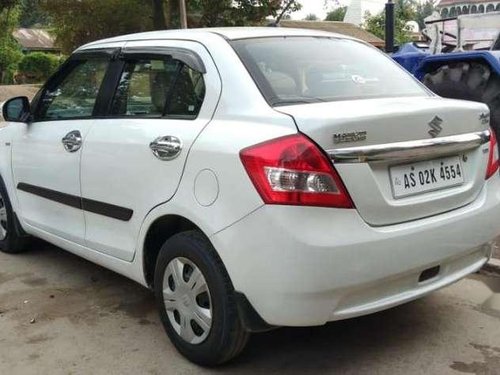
pixel 468 81
pixel 11 241
pixel 196 300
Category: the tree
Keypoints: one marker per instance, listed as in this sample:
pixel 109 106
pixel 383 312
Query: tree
pixel 256 11
pixel 311 17
pixel 7 4
pixel 213 13
pixel 31 14
pixel 404 11
pixel 337 14
pixel 79 22
pixel 424 10
pixel 10 52
pixel 159 21
pixel 10 55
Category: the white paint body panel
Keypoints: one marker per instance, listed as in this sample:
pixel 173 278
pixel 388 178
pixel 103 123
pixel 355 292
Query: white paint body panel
pixel 307 266
pixel 118 166
pixel 298 266
pixel 392 120
pixel 39 159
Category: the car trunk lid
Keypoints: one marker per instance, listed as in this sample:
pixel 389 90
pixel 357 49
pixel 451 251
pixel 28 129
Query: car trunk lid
pixel 376 145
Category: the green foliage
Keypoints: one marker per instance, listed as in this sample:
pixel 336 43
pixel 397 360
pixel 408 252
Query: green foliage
pixel 336 14
pixel 311 17
pixel 423 10
pixel 38 66
pixel 404 11
pixel 254 12
pixel 32 15
pixel 76 22
pixel 9 17
pixel 10 55
pixel 7 4
pixel 213 13
pixel 79 22
pixel 10 52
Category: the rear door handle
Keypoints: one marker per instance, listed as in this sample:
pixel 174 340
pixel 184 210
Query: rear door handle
pixel 166 148
pixel 72 141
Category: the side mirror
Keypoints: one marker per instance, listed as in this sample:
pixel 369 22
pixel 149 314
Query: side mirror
pixel 17 109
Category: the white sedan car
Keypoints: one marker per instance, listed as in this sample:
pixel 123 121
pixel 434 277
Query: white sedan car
pixel 252 177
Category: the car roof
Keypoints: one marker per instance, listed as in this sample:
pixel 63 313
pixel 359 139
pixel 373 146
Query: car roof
pixel 230 33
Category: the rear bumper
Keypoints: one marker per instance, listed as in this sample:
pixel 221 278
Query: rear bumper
pixel 301 266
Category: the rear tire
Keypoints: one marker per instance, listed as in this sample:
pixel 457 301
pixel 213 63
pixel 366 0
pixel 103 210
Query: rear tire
pixel 11 241
pixel 469 81
pixel 220 336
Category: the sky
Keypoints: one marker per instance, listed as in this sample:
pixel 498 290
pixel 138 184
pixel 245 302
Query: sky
pixel 313 6
pixel 318 8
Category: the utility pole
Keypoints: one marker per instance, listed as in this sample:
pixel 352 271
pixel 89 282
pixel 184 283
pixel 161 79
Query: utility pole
pixel 183 14
pixel 389 26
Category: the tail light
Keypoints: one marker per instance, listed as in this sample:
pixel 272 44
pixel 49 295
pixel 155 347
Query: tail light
pixel 293 171
pixel 493 157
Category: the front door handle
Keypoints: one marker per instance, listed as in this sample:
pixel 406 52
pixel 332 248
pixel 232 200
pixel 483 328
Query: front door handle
pixel 166 148
pixel 72 141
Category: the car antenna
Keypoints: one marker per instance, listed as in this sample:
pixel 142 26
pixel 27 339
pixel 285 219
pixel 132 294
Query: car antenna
pixel 276 23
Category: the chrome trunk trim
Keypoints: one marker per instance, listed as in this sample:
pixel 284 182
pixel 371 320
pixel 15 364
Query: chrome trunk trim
pixel 411 150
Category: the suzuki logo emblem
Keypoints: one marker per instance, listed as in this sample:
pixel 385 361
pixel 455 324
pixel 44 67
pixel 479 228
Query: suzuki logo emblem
pixel 484 118
pixel 435 125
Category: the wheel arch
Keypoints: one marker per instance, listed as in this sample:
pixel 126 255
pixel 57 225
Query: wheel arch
pixel 159 231
pixel 17 227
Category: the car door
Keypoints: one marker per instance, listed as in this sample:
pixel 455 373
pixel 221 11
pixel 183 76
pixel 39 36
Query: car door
pixel 166 93
pixel 46 155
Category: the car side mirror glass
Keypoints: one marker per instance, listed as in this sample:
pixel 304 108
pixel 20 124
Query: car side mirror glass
pixel 17 109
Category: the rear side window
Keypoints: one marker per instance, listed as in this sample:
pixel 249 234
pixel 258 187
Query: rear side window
pixel 74 94
pixel 292 70
pixel 157 88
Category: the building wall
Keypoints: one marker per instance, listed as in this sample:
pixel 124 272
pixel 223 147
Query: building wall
pixel 452 10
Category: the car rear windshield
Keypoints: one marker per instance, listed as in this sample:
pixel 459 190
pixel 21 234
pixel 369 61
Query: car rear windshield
pixel 291 70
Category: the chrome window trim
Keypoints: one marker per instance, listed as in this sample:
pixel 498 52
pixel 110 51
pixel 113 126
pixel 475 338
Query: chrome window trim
pixel 410 150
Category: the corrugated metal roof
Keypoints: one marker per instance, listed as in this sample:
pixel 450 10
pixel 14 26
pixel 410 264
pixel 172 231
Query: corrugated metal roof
pixel 34 39
pixel 344 28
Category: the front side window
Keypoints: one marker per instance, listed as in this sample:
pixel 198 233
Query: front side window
pixel 157 88
pixel 75 95
pixel 292 70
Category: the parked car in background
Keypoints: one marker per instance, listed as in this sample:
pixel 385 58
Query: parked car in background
pixel 252 177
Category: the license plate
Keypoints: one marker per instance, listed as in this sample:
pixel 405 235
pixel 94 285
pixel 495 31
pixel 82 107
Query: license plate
pixel 424 176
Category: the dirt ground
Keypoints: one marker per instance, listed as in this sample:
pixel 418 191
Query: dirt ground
pixel 496 248
pixel 60 314
pixel 7 92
